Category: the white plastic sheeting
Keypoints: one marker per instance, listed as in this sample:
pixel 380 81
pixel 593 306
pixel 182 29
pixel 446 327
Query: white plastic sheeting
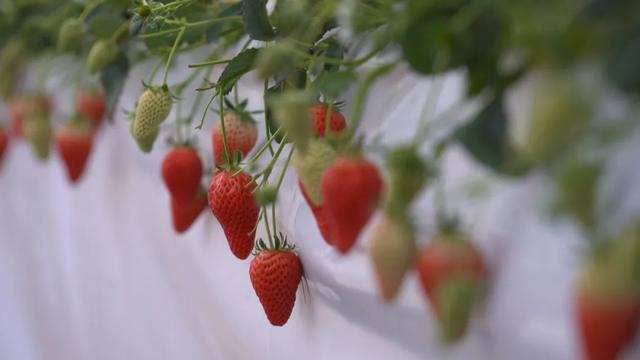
pixel 96 272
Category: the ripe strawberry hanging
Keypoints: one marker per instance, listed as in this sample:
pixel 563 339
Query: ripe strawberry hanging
pixel 454 277
pixel 185 214
pixel 4 143
pixel 318 214
pixel 392 250
pixel 91 104
pixel 74 142
pixel 351 187
pixel 337 123
pixel 310 166
pixel 242 134
pixel 275 275
pixel 232 203
pixel 607 302
pixel 154 106
pixel 182 172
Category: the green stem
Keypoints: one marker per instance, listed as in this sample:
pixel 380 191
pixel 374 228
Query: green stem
pixel 154 71
pixel 227 151
pixel 170 57
pixel 280 180
pixel 209 63
pixel 255 157
pixel 187 24
pixel 266 125
pixel 88 9
pixel 266 224
pixel 204 114
pixel 121 31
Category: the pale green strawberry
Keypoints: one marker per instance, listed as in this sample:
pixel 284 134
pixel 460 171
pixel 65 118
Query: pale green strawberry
pixel 392 250
pixel 146 143
pixel 71 35
pixel 102 53
pixel 311 165
pixel 153 108
pixel 37 129
pixel 292 114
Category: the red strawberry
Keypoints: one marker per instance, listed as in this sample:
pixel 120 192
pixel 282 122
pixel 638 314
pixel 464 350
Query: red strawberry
pixel 454 277
pixel 352 187
pixel 185 214
pixel 318 214
pixel 319 117
pixel 242 134
pixel 232 203
pixel 275 276
pixel 4 143
pixel 182 172
pixel 606 325
pixel 607 302
pixel 74 143
pixel 91 104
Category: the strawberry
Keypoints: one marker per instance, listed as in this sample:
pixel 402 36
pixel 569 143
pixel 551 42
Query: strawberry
pixel 37 129
pixel 242 134
pixel 337 123
pixel 153 107
pixel 318 214
pixel 392 251
pixel 182 172
pixel 71 34
pixel 352 187
pixel 21 107
pixel 232 203
pixel 310 166
pixel 408 175
pixel 454 277
pixel 185 214
pixel 102 53
pixel 607 301
pixel 4 143
pixel 146 143
pixel 74 143
pixel 91 104
pixel 275 275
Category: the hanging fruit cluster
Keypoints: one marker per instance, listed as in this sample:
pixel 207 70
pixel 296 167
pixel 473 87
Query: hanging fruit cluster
pixel 308 53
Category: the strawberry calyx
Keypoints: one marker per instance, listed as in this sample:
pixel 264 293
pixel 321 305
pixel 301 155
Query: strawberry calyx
pixel 279 243
pixel 240 111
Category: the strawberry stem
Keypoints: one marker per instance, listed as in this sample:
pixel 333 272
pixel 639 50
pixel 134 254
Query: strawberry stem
pixel 88 9
pixel 255 157
pixel 171 53
pixel 227 151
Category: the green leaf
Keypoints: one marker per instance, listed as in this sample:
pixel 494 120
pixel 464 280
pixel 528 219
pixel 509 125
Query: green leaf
pixel 624 65
pixel 256 20
pixel 485 139
pixel 334 83
pixel 113 78
pixel 238 67
pixel 485 136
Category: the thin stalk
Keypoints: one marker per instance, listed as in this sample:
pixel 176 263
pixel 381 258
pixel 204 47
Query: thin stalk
pixel 227 151
pixel 209 63
pixel 266 125
pixel 280 180
pixel 255 157
pixel 204 113
pixel 170 57
pixel 88 9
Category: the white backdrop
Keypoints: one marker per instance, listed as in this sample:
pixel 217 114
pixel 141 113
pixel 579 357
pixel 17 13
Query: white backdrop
pixel 96 272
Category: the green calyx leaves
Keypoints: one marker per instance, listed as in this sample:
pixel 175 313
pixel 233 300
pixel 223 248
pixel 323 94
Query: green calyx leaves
pixel 279 244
